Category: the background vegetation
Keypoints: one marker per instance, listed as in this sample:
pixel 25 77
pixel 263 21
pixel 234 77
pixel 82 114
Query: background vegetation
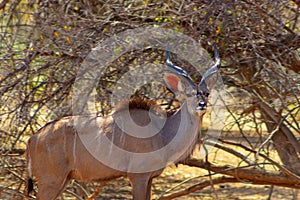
pixel 43 44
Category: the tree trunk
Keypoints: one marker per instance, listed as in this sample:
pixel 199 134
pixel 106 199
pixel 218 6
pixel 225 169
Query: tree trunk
pixel 285 142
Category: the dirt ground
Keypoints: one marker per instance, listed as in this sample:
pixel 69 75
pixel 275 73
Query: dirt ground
pixel 121 189
pixel 175 179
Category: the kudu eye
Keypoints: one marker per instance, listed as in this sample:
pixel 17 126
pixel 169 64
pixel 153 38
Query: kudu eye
pixel 206 94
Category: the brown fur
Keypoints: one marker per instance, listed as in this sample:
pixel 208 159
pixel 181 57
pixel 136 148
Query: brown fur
pixel 57 156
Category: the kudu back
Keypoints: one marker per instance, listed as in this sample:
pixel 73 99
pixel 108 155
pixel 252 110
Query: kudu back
pixel 58 154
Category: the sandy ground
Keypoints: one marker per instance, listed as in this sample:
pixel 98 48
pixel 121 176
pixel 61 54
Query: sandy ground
pixel 121 189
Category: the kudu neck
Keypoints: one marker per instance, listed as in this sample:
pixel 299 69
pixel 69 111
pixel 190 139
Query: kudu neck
pixel 185 113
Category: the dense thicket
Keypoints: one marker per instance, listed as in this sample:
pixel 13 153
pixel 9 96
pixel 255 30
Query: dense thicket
pixel 43 44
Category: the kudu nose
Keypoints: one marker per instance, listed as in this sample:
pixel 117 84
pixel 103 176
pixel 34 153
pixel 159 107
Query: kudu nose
pixel 201 106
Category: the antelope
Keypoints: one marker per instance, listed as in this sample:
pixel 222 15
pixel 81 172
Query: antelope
pixel 58 154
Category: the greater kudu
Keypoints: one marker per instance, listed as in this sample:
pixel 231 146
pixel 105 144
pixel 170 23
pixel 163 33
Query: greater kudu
pixel 56 154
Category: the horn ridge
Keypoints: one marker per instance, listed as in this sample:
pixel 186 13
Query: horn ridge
pixel 214 68
pixel 216 56
pixel 178 70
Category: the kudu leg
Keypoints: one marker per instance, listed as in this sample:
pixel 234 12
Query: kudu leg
pixel 141 187
pixel 51 189
pixel 149 189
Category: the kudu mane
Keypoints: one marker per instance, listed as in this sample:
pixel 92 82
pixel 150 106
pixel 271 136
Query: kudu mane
pixel 142 104
pixel 135 103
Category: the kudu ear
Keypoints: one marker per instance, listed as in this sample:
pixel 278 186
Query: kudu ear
pixel 174 83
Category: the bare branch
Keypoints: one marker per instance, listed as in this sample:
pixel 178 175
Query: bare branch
pixel 253 175
pixel 199 186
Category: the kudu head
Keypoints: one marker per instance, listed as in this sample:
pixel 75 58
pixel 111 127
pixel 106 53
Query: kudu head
pixel 186 90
